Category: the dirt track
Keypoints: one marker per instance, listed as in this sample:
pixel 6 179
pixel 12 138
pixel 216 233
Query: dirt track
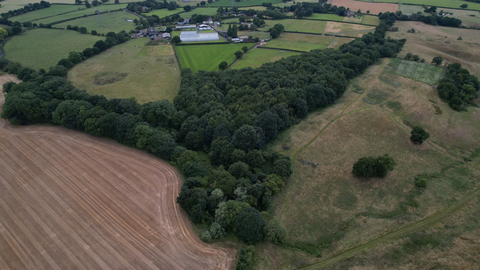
pixel 72 201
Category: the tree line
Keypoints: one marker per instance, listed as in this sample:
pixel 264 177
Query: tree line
pixel 27 8
pixel 433 19
pixel 216 129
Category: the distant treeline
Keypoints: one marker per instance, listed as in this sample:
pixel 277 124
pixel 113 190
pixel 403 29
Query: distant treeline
pixel 216 129
pixel 458 87
pixel 25 9
pixel 433 19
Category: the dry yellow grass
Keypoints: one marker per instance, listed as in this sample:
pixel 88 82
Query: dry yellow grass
pixel 336 27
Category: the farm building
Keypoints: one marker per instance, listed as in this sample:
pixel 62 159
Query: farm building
pixel 186 27
pixel 166 35
pixel 191 36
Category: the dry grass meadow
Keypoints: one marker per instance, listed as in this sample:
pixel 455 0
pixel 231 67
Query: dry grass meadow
pixel 326 208
pixel 150 72
pixel 430 41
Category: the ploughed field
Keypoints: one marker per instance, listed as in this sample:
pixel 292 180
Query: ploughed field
pixel 72 201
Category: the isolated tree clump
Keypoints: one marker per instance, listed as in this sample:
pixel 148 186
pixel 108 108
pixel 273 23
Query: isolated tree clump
pixel 373 166
pixel 419 135
pixel 223 65
pixel 437 60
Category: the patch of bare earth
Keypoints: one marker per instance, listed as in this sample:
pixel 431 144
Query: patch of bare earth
pixel 336 27
pixel 72 201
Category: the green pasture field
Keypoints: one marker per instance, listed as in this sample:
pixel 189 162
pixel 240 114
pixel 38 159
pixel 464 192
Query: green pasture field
pixel 426 73
pixel 256 57
pixel 255 8
pixel 254 34
pixel 327 17
pixel 326 210
pixel 469 18
pixel 151 73
pixel 242 3
pixel 200 11
pixel 410 9
pixel 373 20
pixel 437 3
pixel 163 12
pixel 305 26
pixel 300 42
pixel 43 48
pixel 207 57
pixel 84 12
pixel 112 22
pixel 53 10
pixel 231 20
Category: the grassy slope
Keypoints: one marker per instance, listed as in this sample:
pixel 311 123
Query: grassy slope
pixel 207 57
pixel 200 11
pixel 43 48
pixel 329 17
pixel 153 72
pixel 46 12
pixel 305 26
pixel 242 3
pixel 256 57
pixel 164 12
pixel 300 42
pixel 319 202
pixel 114 21
pixel 87 12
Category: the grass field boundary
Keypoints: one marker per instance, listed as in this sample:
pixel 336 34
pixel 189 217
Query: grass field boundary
pixel 236 59
pixel 280 49
pixel 412 4
pixel 83 16
pixel 63 4
pixel 176 56
pixel 325 34
pixel 204 43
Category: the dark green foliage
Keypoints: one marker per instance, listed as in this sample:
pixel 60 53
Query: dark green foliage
pixel 239 169
pixel 223 65
pixel 245 138
pixel 283 168
pixel 238 54
pixel 458 86
pixel 255 159
pixel 373 167
pixel 421 182
pixel 191 169
pixel 437 60
pixel 191 182
pixel 249 224
pixel 418 135
pixel 246 258
pixel 176 40
pixel 275 232
pixel 194 202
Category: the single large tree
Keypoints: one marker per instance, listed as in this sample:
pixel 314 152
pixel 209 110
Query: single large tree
pixel 419 135
pixel 437 60
pixel 250 225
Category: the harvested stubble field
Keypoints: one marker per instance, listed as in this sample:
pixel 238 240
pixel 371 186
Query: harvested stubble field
pixel 430 41
pixel 326 208
pixel 112 22
pixel 46 12
pixel 150 72
pixel 374 8
pixel 256 57
pixel 72 201
pixel 43 48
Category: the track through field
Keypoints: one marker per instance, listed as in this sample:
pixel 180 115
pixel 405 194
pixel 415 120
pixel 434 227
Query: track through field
pixel 72 201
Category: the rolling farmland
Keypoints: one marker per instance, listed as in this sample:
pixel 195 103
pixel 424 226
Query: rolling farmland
pixel 72 201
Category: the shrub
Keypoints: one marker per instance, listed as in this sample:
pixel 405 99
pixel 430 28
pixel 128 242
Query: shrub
pixel 275 232
pixel 421 182
pixel 373 167
pixel 418 135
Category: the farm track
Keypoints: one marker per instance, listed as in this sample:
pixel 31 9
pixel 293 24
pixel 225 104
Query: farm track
pixel 72 201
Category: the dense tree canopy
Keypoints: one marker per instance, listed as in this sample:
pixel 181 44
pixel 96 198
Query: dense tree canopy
pixel 373 166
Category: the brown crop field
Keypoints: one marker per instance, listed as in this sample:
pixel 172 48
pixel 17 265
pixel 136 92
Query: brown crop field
pixel 72 201
pixel 374 8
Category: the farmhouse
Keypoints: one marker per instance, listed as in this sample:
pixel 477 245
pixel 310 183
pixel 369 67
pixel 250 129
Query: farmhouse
pixel 350 13
pixel 191 36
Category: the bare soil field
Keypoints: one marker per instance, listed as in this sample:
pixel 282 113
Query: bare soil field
pixel 374 8
pixel 429 41
pixel 72 201
pixel 336 27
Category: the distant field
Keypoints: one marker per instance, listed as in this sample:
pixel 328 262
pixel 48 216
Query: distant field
pixel 114 21
pixel 231 20
pixel 437 3
pixel 152 72
pixel 421 72
pixel 469 18
pixel 328 17
pixel 46 12
pixel 305 26
pixel 200 11
pixel 242 3
pixel 374 8
pixel 43 48
pixel 89 11
pixel 207 57
pixel 255 8
pixel 300 42
pixel 336 27
pixel 163 12
pixel 256 57
pixel 410 9
pixel 260 35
